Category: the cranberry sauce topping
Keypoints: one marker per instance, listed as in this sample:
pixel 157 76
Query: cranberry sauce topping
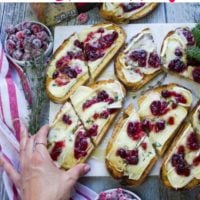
pixel 154 60
pixel 178 161
pixel 103 115
pixel 193 142
pixel 179 97
pixel 189 37
pixel 81 145
pixel 139 56
pixel 66 119
pixel 131 156
pixel 159 126
pixel 144 145
pixel 148 126
pixel 159 108
pixel 177 65
pixel 196 161
pixel 134 130
pixel 171 121
pixel 92 131
pixel 128 7
pixel 196 75
pixel 96 50
pixel 57 149
pixel 102 96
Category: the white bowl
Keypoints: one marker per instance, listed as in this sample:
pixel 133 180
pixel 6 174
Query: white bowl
pixel 47 53
pixel 126 191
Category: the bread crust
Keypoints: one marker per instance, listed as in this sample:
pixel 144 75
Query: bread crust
pixel 113 171
pixel 119 67
pixel 159 89
pixel 163 173
pixel 110 16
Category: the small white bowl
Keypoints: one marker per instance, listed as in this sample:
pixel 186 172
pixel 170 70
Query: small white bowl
pixel 126 191
pixel 47 53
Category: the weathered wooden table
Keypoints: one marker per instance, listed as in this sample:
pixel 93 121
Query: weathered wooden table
pixel 152 189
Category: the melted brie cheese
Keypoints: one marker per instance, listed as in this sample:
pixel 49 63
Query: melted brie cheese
pixel 132 76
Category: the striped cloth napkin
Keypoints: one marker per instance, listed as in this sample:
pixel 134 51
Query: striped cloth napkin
pixel 13 109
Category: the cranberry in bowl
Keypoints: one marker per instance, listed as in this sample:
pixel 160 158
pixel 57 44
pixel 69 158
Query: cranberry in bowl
pixel 117 194
pixel 28 40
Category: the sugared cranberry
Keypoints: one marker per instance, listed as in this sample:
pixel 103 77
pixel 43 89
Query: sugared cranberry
pixel 147 126
pixel 36 43
pixel 18 54
pixel 196 75
pixel 170 121
pixel 177 65
pixel 66 119
pixel 196 161
pixel 55 74
pixel 159 108
pixel 35 28
pixel 188 35
pixel 144 145
pixel 122 153
pixel 193 142
pixel 10 45
pixel 154 60
pixel 134 130
pixel 93 130
pixel 159 126
pixel 140 56
pixel 128 7
pixel 57 149
pixel 20 35
pixel 10 29
pixel 178 52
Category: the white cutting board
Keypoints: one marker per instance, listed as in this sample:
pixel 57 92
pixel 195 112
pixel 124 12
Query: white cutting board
pixel 159 31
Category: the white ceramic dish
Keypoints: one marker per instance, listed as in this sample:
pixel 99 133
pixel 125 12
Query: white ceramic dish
pixel 47 53
pixel 133 195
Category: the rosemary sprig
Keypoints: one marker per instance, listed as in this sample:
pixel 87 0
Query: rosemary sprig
pixel 35 72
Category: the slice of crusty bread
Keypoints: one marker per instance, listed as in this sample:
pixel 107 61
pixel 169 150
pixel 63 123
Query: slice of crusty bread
pixel 119 67
pixel 110 16
pixel 110 54
pixel 159 89
pixel 112 170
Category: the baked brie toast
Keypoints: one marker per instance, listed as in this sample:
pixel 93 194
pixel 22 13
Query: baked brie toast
pixel 81 124
pixel 130 154
pixel 173 54
pixel 125 12
pixel 163 110
pixel 82 57
pixel 181 165
pixel 138 62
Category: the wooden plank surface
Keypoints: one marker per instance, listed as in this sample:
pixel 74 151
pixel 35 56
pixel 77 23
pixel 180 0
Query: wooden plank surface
pixel 152 189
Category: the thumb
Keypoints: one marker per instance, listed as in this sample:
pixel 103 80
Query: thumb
pixel 76 172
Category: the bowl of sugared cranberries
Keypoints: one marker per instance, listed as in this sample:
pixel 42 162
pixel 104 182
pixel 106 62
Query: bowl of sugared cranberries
pixel 117 194
pixel 28 40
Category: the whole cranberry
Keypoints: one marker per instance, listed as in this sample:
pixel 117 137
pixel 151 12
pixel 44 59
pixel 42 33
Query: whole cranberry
pixel 160 125
pixel 36 43
pixel 105 114
pixel 102 95
pixel 147 126
pixel 140 56
pixel 93 130
pixel 20 35
pixel 154 60
pixel 35 28
pixel 166 94
pixel 55 75
pixel 177 65
pixel 18 54
pixel 178 52
pixel 122 153
pixel 66 119
pixel 188 35
pixel 42 35
pixel 78 44
pixel 26 32
pixel 193 142
pixel 158 108
pixel 196 75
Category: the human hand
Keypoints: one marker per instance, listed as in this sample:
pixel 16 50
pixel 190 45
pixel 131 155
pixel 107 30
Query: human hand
pixel 39 178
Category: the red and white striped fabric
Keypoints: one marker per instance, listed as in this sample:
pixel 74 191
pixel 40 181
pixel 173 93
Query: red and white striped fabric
pixel 13 109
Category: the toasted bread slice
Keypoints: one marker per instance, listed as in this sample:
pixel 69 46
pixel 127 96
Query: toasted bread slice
pixel 101 42
pixel 189 175
pixel 164 112
pixel 127 66
pixel 114 12
pixel 64 143
pixel 61 83
pixel 118 165
pixel 97 105
pixel 174 57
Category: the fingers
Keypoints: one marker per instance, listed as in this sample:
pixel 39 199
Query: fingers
pixel 23 137
pixel 12 173
pixel 76 172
